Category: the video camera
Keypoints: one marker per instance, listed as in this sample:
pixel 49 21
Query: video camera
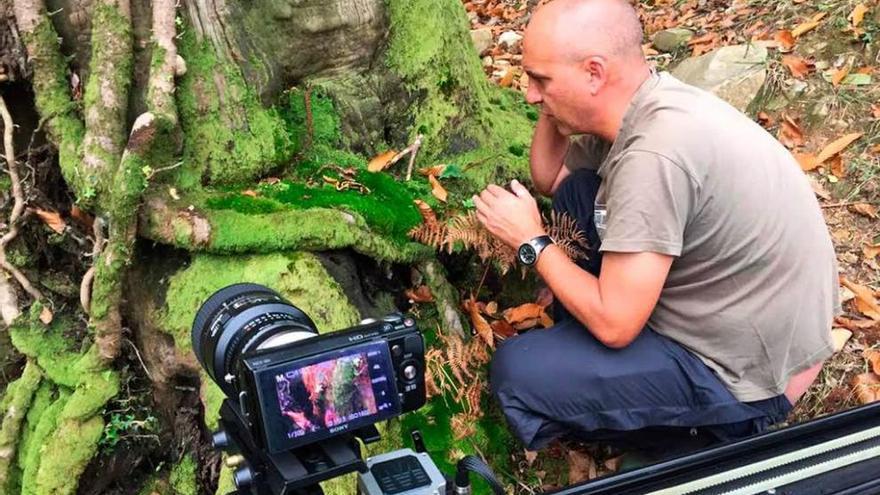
pixel 297 402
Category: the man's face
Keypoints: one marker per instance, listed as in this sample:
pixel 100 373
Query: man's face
pixel 559 86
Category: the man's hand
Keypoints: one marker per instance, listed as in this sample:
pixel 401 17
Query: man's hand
pixel 512 217
pixel 549 146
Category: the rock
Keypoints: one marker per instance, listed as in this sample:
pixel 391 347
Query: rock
pixel 670 40
pixel 482 39
pixel 733 73
pixel 509 38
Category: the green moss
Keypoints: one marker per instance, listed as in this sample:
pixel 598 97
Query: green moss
pixel 67 453
pixel 229 137
pixel 15 405
pixel 325 120
pixel 300 277
pixel 41 428
pixel 183 477
pixel 52 96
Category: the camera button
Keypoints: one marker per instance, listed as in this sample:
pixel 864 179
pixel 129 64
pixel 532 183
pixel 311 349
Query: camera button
pixel 396 350
pixel 410 372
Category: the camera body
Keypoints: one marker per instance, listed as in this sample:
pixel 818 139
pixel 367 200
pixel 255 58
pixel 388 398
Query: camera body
pixel 316 388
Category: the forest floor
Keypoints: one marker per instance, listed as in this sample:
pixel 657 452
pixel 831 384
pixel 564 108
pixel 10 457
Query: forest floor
pixel 821 101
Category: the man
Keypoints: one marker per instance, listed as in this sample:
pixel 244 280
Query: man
pixel 708 305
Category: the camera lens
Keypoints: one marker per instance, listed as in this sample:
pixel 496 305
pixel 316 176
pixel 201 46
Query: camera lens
pixel 241 318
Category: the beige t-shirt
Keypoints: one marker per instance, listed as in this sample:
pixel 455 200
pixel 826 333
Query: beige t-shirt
pixel 753 287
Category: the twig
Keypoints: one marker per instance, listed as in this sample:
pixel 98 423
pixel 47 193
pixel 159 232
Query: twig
pixel 412 157
pixel 138 354
pixel 480 162
pixel 85 287
pixel 310 121
pixel 18 206
pixel 847 203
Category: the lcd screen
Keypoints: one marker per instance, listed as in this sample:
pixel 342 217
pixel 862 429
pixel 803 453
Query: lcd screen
pixel 338 391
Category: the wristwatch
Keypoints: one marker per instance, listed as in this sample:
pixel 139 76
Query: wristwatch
pixel 528 252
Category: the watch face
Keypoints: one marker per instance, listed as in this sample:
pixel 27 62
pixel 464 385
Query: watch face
pixel 526 254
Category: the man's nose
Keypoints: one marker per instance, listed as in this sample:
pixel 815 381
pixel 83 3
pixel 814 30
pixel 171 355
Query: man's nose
pixel 533 96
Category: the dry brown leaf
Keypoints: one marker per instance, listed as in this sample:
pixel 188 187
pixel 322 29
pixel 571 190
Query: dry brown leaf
pixel 807 161
pixel 531 456
pixel 839 75
pixel 855 325
pixel 481 326
pixel 428 215
pixel 790 133
pixel 866 387
pixel 249 192
pixel 420 294
pixel 806 27
pixel 523 312
pixel 873 357
pixel 864 301
pixel 507 78
pixel 875 112
pixel 46 315
pixel 765 120
pixel 818 189
pixel 858 15
pixel 436 189
pixel 837 146
pixel 838 169
pixel 435 170
pixel 839 337
pixel 381 161
pixel 581 466
pixel 52 219
pixel 785 40
pixel 503 329
pixel 491 308
pixel 870 251
pixel 865 209
pixel 799 67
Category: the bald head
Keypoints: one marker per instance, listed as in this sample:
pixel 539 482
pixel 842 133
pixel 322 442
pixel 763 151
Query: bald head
pixel 575 29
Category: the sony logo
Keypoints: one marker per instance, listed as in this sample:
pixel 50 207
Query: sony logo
pixel 339 428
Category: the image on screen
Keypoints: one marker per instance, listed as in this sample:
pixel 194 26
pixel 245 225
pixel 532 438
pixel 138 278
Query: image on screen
pixel 320 396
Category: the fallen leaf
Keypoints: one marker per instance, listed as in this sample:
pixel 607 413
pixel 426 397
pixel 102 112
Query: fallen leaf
pixel 420 294
pixel 837 146
pixel 785 40
pixel 765 120
pixel 840 336
pixel 875 111
pixel 522 312
pixel 173 193
pixel 435 170
pixel 507 79
pixel 864 301
pixel 799 67
pixel 790 133
pixel 531 456
pixel 838 168
pixel 865 209
pixel 52 219
pixel 866 387
pixel 870 251
pixel 82 217
pixel 428 215
pixel 249 192
pixel 437 189
pixel 855 325
pixel 481 326
pixel 613 464
pixel 802 29
pixel 807 161
pixel 46 315
pixel 839 75
pixel 503 329
pixel 491 308
pixel 858 15
pixel 873 357
pixel 581 466
pixel 381 161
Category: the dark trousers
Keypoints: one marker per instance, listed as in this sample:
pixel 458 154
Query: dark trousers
pixel 561 381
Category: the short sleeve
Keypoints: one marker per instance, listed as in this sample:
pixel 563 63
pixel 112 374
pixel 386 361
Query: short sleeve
pixel 650 200
pixel 586 151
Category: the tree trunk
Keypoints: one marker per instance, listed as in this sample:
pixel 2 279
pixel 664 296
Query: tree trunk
pixel 195 143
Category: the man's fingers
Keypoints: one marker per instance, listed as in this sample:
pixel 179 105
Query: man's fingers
pixel 519 189
pixel 497 191
pixel 480 204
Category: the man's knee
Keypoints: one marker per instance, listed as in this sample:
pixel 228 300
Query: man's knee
pixel 577 192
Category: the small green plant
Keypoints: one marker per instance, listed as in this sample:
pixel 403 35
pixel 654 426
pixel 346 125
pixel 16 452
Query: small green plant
pixel 122 426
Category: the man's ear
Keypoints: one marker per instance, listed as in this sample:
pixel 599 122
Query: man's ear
pixel 596 69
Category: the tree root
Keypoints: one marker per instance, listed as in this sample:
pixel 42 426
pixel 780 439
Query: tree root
pixel 16 402
pixel 229 232
pixel 445 297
